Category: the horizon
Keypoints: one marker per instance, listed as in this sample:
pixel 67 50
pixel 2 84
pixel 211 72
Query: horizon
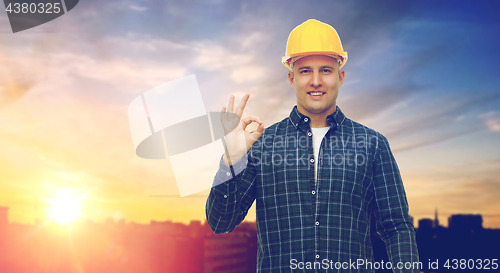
pixel 204 221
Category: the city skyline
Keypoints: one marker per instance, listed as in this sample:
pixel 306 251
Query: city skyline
pixel 116 246
pixel 39 218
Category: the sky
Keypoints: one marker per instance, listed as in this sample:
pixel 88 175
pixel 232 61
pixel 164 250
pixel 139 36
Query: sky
pixel 422 73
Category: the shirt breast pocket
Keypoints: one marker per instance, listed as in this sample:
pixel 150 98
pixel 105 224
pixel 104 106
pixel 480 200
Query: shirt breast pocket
pixel 349 170
pixel 347 164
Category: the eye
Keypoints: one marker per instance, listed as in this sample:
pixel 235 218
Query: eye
pixel 326 70
pixel 304 71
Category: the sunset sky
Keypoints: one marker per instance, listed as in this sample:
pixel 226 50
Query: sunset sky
pixel 423 73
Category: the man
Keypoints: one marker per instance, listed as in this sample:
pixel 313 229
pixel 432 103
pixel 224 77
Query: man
pixel 317 177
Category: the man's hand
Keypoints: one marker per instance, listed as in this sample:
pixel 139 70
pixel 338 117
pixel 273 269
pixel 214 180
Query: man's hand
pixel 238 141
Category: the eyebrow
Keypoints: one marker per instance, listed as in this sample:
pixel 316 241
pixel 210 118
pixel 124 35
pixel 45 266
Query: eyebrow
pixel 308 67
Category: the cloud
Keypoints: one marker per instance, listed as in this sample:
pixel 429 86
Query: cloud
pixel 235 56
pixel 116 71
pixel 492 120
pixel 138 8
pixel 421 121
pixel 248 74
pixel 432 139
pixel 385 73
pixel 17 77
pixel 211 56
pixel 12 91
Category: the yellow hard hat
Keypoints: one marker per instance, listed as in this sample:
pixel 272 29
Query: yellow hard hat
pixel 313 38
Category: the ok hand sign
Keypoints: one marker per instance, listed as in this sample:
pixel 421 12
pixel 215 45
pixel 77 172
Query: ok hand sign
pixel 238 141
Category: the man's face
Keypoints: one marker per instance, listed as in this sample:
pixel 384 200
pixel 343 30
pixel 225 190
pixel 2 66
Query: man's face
pixel 316 80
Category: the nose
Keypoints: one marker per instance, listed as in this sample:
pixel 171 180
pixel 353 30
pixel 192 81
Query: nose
pixel 316 80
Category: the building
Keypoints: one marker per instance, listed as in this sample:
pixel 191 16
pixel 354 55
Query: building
pixel 465 223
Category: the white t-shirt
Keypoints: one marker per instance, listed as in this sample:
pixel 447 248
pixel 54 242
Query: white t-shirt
pixel 318 134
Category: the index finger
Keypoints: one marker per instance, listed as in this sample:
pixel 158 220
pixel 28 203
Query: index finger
pixel 242 105
pixel 230 105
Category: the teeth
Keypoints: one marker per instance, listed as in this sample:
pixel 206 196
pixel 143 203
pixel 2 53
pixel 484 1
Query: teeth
pixel 316 93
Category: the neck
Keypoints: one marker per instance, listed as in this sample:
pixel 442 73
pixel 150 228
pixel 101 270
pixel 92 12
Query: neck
pixel 318 120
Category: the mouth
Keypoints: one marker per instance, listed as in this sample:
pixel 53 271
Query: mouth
pixel 316 94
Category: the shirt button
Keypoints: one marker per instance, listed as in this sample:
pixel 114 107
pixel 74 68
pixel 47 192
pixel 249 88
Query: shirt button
pixel 317 256
pixel 313 192
pixel 306 119
pixel 309 134
pixel 228 174
pixel 312 160
pixel 317 223
pixel 225 196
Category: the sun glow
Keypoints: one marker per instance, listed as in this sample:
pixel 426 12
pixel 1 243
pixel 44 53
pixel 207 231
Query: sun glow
pixel 65 207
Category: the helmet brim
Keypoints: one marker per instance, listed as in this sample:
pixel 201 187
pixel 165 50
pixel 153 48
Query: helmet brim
pixel 286 59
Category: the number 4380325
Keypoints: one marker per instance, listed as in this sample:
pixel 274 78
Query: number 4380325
pixel 471 264
pixel 34 8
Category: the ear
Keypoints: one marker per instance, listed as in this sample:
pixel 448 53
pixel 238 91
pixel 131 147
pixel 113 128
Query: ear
pixel 341 77
pixel 290 78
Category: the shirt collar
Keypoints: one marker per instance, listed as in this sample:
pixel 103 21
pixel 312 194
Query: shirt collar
pixel 301 121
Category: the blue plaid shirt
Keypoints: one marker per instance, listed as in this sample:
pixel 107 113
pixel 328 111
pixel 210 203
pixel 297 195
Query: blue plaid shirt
pixel 303 226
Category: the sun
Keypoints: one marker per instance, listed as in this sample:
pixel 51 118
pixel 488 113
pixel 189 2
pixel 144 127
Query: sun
pixel 65 207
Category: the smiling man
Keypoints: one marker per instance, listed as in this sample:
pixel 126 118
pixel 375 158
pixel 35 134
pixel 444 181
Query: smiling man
pixel 316 80
pixel 317 177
